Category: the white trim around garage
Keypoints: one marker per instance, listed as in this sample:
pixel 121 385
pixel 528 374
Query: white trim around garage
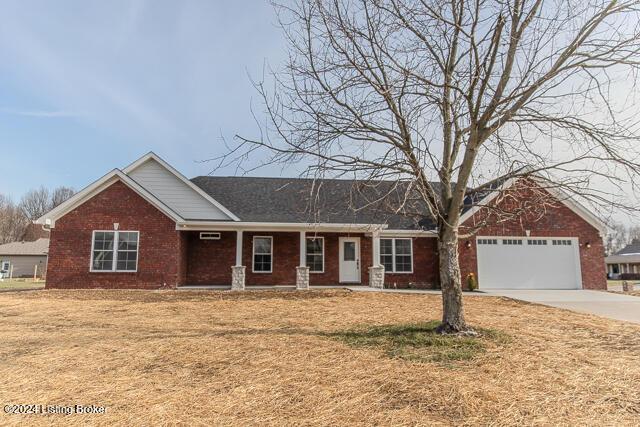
pixel 575 243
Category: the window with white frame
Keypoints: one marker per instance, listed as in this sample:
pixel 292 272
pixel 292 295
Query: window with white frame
pixel 396 255
pixel 115 251
pixel 315 254
pixel 487 241
pixel 262 254
pixel 561 242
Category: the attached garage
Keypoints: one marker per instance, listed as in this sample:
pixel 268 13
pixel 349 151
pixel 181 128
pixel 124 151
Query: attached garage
pixel 528 263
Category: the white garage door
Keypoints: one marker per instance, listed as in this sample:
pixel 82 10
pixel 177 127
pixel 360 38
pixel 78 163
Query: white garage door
pixel 528 263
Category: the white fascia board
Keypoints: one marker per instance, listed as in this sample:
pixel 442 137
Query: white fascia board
pixel 98 186
pixel 623 259
pixel 153 156
pixel 578 208
pixel 487 199
pixel 277 226
pixel 409 233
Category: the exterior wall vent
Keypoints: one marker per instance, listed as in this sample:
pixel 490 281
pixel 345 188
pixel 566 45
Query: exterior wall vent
pixel 210 236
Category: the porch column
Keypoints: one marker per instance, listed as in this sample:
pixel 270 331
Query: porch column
pixel 376 271
pixel 238 271
pixel 302 271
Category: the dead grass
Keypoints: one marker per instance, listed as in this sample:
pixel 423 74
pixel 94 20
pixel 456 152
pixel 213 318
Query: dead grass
pixel 268 358
pixel 7 284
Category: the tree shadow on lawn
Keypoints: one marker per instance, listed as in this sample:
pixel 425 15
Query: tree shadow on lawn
pixel 419 342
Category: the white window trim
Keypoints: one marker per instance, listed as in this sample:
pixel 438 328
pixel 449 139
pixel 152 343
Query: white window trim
pixel 253 254
pixel 393 253
pixel 116 236
pixel 306 253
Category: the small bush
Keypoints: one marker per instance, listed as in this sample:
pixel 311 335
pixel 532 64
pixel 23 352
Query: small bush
pixel 472 282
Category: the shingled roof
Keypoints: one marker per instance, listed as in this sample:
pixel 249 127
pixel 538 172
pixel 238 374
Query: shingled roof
pixel 296 200
pixel 39 247
pixel 632 248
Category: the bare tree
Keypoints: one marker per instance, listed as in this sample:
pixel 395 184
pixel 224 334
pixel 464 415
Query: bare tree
pixel 60 195
pixel 35 203
pixel 12 221
pixel 455 91
pixel 617 238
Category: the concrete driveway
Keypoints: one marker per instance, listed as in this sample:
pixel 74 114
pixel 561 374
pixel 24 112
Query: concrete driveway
pixel 605 304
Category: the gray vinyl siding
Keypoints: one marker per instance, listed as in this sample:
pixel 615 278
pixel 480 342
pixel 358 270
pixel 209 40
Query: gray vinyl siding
pixel 175 193
pixel 24 265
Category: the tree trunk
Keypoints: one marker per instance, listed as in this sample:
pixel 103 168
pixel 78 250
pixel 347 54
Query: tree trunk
pixel 451 283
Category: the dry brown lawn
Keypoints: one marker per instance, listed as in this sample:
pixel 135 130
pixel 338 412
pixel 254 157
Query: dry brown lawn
pixel 264 358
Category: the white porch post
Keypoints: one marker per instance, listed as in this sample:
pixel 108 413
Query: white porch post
pixel 302 271
pixel 238 271
pixel 303 249
pixel 238 248
pixel 376 271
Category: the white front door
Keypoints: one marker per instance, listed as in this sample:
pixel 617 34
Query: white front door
pixel 349 259
pixel 528 263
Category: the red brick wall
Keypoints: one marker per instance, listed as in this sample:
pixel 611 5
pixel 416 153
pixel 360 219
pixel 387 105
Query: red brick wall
pixel 169 257
pixel 159 260
pixel 425 267
pixel 209 261
pixel 556 220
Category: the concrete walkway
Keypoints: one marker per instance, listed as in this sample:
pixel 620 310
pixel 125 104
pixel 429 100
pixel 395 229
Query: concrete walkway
pixel 600 303
pixel 605 304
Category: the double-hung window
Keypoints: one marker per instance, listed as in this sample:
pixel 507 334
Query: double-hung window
pixel 115 251
pixel 396 255
pixel 262 254
pixel 315 254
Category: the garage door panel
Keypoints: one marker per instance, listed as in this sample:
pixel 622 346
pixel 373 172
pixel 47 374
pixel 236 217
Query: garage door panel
pixel 527 263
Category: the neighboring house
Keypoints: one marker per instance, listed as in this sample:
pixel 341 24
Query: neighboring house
pixel 33 232
pixel 24 259
pixel 147 226
pixel 625 261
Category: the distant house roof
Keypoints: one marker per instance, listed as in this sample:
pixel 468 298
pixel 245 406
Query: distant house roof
pixel 296 200
pixel 39 247
pixel 628 254
pixel 631 248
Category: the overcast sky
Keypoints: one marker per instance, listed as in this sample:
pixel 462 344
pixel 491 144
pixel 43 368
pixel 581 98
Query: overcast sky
pixel 89 86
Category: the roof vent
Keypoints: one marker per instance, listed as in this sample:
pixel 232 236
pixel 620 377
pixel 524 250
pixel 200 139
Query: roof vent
pixel 210 236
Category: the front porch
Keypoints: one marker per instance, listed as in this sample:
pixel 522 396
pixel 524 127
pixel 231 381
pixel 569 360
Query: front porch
pixel 615 270
pixel 268 258
pixel 240 259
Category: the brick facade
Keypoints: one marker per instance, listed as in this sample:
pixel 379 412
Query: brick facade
pixel 171 258
pixel 210 261
pixel 550 220
pixel 161 251
pixel 425 274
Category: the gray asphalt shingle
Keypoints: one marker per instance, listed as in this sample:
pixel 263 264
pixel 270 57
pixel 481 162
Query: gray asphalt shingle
pixel 296 200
